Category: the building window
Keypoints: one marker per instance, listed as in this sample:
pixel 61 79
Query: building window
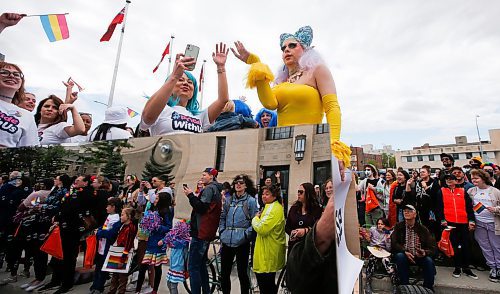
pixel 322 129
pixel 409 159
pixel 431 157
pixel 420 158
pixel 468 155
pixel 279 133
pixel 455 156
pixel 221 153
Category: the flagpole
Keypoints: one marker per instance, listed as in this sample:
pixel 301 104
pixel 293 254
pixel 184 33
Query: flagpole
pixel 202 84
pixel 170 55
pixel 31 15
pixel 117 62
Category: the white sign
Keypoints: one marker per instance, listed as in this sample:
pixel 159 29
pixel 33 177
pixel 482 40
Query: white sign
pixel 350 265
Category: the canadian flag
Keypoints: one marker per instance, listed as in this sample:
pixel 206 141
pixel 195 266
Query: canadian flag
pixel 117 20
pixel 165 52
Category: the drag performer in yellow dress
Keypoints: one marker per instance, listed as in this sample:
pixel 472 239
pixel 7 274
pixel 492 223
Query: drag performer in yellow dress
pixel 303 91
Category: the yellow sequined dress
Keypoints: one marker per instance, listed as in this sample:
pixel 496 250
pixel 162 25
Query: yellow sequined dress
pixel 298 104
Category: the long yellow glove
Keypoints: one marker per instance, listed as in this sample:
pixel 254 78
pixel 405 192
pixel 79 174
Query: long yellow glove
pixel 252 58
pixel 334 117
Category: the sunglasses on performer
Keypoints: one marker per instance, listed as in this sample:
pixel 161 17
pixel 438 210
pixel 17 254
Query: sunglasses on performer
pixel 290 45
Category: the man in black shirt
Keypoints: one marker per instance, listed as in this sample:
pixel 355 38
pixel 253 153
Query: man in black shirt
pixel 448 162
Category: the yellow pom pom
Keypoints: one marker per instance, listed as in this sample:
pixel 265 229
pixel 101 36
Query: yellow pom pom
pixel 259 72
pixel 342 152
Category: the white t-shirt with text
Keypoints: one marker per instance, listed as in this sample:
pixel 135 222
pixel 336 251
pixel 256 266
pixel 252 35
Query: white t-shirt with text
pixel 17 126
pixel 178 120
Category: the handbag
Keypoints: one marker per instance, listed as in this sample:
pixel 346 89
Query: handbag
pixel 53 244
pixel 371 200
pixel 444 244
pixel 91 241
pixel 115 261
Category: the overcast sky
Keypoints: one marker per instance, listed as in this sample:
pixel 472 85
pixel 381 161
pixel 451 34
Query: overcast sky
pixel 407 72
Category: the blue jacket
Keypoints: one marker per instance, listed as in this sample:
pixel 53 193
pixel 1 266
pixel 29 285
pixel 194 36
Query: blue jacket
pixel 159 234
pixel 110 235
pixel 228 121
pixel 235 226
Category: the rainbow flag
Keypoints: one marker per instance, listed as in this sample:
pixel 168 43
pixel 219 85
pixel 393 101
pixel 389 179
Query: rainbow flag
pixel 55 26
pixel 479 207
pixel 132 113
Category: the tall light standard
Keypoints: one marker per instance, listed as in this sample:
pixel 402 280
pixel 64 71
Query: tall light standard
pixel 479 137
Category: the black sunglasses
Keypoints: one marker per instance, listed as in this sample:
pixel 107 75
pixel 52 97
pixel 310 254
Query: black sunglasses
pixel 290 45
pixel 241 182
pixel 300 192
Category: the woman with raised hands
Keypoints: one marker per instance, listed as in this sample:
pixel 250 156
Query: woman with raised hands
pixel 174 108
pixel 51 119
pixel 304 89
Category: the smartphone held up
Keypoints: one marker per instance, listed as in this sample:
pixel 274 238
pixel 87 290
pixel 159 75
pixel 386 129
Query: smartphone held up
pixel 192 51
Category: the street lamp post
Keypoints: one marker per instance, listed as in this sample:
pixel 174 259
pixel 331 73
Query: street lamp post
pixel 479 137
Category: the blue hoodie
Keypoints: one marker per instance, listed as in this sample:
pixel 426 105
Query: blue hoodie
pixel 274 117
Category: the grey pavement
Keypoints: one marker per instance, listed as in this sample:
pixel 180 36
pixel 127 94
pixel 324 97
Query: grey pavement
pixel 14 288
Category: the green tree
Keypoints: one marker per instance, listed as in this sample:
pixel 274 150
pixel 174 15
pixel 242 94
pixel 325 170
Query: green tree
pixel 107 155
pixel 372 162
pixel 50 161
pixel 388 160
pixel 39 162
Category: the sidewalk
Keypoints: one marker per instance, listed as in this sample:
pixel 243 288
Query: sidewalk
pixel 14 288
pixel 446 284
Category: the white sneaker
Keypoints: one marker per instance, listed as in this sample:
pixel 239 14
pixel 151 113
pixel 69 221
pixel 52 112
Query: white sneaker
pixel 147 290
pixel 35 286
pixel 24 286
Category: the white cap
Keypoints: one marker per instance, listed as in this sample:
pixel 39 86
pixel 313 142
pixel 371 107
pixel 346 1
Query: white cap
pixel 115 115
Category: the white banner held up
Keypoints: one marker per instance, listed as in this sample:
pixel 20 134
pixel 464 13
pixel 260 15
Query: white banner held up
pixel 350 265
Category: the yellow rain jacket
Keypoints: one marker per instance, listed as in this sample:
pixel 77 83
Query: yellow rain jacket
pixel 270 246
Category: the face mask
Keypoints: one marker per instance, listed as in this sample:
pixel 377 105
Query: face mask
pixel 490 172
pixel 368 173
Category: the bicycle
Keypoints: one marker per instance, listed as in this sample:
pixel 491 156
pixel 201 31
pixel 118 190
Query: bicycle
pixel 282 287
pixel 213 268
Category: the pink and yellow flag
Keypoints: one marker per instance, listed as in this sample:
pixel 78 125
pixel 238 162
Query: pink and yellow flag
pixel 55 26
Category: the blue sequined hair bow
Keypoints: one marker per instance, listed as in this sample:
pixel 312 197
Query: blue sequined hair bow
pixel 304 35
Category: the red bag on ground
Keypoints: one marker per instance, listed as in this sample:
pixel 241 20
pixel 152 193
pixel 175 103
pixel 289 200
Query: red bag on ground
pixel 444 244
pixel 53 244
pixel 91 241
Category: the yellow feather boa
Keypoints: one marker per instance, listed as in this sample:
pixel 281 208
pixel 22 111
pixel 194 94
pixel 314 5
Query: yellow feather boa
pixel 259 72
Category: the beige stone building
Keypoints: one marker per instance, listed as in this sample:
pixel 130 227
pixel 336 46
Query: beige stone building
pixel 256 152
pixel 462 151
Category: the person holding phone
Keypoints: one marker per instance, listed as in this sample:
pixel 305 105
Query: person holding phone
pixel 304 83
pixel 303 214
pixel 174 108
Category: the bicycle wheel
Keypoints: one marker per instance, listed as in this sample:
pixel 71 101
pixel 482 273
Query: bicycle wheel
pixel 282 288
pixel 254 287
pixel 213 279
